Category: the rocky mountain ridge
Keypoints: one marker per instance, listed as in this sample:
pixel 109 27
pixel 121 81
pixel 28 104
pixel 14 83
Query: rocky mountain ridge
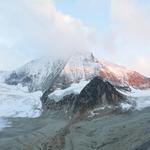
pixel 82 66
pixel 96 93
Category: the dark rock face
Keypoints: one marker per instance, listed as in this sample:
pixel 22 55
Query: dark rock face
pixel 15 78
pixel 97 92
pixel 20 78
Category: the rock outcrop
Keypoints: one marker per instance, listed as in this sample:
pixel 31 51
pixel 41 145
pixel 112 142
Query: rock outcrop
pixel 97 92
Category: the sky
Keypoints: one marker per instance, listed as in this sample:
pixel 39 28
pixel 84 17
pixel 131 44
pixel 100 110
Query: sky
pixel 115 30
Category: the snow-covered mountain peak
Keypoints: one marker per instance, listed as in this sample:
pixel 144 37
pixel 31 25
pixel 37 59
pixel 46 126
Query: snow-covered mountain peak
pixel 80 66
pixel 83 56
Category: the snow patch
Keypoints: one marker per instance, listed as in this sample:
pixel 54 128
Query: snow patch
pixel 75 88
pixel 96 111
pixel 126 106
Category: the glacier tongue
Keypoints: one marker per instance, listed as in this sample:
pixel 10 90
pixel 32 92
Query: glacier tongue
pixel 15 102
pixel 141 98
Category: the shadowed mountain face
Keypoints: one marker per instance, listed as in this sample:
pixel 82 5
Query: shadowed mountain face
pixel 98 92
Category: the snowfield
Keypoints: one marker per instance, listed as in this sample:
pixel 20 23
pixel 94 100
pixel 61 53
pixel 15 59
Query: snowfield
pixel 15 101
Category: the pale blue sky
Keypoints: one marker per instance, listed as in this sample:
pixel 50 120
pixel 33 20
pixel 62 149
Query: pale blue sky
pixel 116 30
pixel 93 14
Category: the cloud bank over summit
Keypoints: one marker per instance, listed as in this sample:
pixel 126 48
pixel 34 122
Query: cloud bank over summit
pixel 37 27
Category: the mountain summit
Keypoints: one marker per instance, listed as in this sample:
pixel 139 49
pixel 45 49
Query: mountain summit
pixel 81 66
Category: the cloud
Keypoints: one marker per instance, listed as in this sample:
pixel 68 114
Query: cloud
pixel 142 65
pixel 36 27
pixel 130 20
pixel 65 33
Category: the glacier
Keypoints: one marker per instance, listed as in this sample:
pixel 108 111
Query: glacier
pixel 16 101
pixel 141 98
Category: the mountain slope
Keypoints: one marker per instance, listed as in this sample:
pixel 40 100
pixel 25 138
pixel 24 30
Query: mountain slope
pixel 81 66
pixel 120 75
pixel 34 74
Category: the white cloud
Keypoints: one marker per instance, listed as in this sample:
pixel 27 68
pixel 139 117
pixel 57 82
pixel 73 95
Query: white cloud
pixel 130 20
pixel 131 23
pixel 36 27
pixel 142 65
